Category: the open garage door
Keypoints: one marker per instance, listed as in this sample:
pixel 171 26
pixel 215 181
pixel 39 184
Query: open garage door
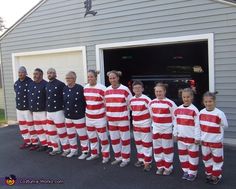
pixel 180 62
pixel 63 60
pixel 178 65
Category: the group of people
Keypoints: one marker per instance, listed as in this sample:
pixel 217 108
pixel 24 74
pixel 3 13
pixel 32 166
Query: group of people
pixel 53 116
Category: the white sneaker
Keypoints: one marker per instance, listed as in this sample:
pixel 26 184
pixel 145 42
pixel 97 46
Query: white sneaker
pixel 105 160
pixel 92 157
pixel 83 156
pixel 159 171
pixel 54 152
pixel 167 172
pixel 115 162
pixel 71 154
pixel 124 163
pixel 65 153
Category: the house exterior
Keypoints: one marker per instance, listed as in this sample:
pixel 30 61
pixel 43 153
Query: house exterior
pixel 73 35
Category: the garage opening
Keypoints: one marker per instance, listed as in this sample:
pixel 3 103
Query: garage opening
pixel 179 65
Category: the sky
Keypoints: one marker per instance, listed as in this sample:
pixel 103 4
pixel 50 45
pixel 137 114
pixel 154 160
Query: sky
pixel 13 10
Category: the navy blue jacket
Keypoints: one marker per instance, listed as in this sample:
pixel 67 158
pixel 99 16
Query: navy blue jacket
pixel 74 102
pixel 54 96
pixel 37 96
pixel 21 90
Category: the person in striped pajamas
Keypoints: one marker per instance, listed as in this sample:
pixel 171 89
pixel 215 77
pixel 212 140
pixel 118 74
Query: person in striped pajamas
pixel 187 133
pixel 212 123
pixel 37 105
pixel 162 113
pixel 141 126
pixel 74 109
pixel 24 115
pixel 55 114
pixel 117 98
pixel 96 122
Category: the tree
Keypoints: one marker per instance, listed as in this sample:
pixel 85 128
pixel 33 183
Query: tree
pixel 2 27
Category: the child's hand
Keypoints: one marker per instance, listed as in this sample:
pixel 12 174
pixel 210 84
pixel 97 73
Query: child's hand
pixel 197 142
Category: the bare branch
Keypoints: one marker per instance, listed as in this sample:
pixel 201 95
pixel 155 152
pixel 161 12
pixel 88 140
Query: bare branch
pixel 2 26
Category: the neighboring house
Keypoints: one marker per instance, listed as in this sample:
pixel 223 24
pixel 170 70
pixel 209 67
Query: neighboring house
pixel 139 37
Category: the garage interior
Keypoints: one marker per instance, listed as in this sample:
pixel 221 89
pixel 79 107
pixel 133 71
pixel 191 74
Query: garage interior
pixel 179 65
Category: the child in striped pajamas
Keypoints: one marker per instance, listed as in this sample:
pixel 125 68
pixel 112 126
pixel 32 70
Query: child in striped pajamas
pixel 96 122
pixel 117 98
pixel 212 123
pixel 187 133
pixel 162 113
pixel 141 126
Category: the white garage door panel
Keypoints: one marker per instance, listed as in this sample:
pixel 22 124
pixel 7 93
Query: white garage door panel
pixel 63 62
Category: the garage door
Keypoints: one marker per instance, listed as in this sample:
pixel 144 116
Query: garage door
pixel 63 62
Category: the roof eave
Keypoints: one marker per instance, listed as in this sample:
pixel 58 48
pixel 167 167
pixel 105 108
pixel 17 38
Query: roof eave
pixel 43 1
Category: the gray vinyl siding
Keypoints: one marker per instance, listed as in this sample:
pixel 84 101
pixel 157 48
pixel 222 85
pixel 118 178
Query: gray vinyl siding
pixel 1 99
pixel 61 23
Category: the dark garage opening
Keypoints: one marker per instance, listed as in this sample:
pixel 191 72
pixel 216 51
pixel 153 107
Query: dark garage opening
pixel 179 65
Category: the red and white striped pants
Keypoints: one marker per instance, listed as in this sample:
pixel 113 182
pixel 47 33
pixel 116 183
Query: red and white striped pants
pixel 213 158
pixel 97 129
pixel 74 127
pixel 188 156
pixel 163 147
pixel 40 125
pixel 57 130
pixel 120 139
pixel 143 141
pixel 26 126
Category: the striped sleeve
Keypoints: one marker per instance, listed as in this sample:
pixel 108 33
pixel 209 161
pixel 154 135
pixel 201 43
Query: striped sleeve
pixel 172 110
pixel 175 128
pixel 128 98
pixel 197 129
pixel 150 108
pixel 224 122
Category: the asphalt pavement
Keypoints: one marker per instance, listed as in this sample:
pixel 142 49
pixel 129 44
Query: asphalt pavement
pixel 70 173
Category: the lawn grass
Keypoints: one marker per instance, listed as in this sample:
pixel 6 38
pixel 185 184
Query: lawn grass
pixel 2 116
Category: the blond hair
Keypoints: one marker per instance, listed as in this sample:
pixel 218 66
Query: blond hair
pixel 187 90
pixel 117 73
pixel 162 85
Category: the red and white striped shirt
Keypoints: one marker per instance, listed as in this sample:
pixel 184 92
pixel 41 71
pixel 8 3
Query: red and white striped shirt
pixel 95 101
pixel 117 102
pixel 186 125
pixel 212 125
pixel 140 111
pixel 162 112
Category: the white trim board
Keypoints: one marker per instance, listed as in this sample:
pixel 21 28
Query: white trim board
pixel 160 41
pixel 15 63
pixel 226 2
